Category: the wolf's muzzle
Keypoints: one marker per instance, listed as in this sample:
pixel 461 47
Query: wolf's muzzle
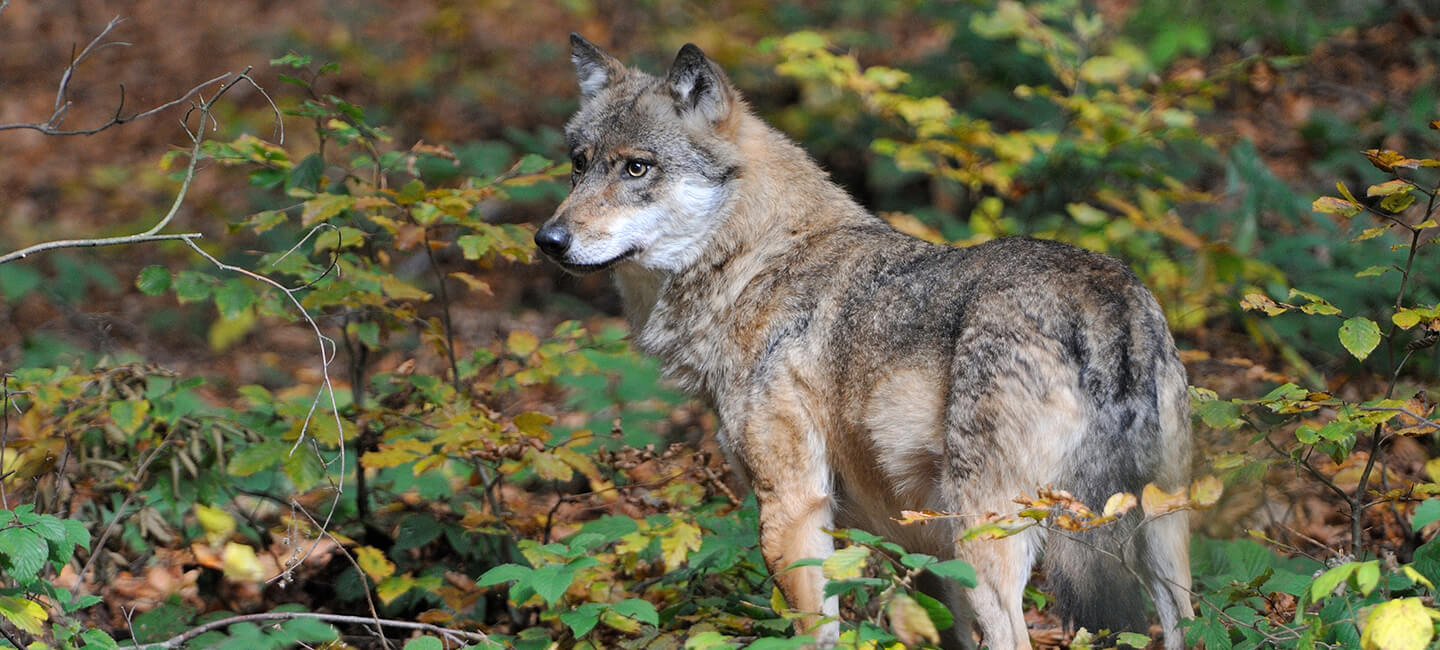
pixel 553 240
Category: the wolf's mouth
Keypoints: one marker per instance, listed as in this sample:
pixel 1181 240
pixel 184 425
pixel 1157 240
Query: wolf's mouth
pixel 582 269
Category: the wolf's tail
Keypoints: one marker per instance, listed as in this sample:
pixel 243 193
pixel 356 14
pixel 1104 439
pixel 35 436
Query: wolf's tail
pixel 1095 591
pixel 1134 439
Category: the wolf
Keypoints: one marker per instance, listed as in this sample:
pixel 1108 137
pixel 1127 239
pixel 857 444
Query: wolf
pixel 857 371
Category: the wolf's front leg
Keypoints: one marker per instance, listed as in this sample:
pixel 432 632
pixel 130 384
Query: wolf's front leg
pixel 785 460
pixel 793 519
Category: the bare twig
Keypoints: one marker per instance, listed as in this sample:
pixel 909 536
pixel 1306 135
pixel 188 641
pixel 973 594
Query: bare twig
pixel 52 126
pixel 153 233
pixel 327 356
pixel 364 577
pixel 451 634
pixel 4 429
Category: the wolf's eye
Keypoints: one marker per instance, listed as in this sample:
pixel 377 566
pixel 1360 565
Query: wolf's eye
pixel 636 169
pixel 577 164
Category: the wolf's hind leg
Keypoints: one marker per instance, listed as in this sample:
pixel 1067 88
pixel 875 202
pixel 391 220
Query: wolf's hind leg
pixel 1165 563
pixel 1002 567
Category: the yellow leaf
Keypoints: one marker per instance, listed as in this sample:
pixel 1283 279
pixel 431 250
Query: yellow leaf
pixel 323 207
pixel 678 542
pixel 1205 491
pixel 475 284
pixel 777 600
pixel 521 343
pixel 240 564
pixel 1253 301
pixel 218 524
pixel 392 587
pixel 532 423
pixel 1416 576
pixel 910 622
pixel 846 563
pixel 24 613
pixel 373 561
pixel 1156 501
pixel 397 452
pixel 1119 504
pixel 1432 469
pixel 547 466
pixel 1402 624
pixel 1389 187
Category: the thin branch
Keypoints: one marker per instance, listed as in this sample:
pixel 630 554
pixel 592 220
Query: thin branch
pixel 152 234
pixel 51 126
pixel 327 356
pixel 364 577
pixel 451 634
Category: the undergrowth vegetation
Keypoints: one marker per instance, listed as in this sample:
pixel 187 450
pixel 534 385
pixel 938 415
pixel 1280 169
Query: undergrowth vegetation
pixel 400 430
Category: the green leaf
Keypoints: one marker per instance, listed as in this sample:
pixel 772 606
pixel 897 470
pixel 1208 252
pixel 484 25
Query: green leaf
pixel 939 614
pixel 1426 513
pixel 582 619
pixel 307 174
pixel 416 531
pixel 129 415
pixel 311 630
pixel 958 570
pixel 1397 202
pixel 1372 271
pixel 303 468
pixel 257 457
pixel 1328 581
pixel 76 532
pixel 1367 576
pixel 1104 70
pixel 191 286
pixel 16 280
pixel 1132 639
pixel 153 280
pixel 24 551
pixel 1221 414
pixel 425 643
pixel 1359 335
pixel 916 560
pixel 234 297
pixel 532 163
pixel 551 581
pixel 292 60
pixel 638 609
pixel 504 573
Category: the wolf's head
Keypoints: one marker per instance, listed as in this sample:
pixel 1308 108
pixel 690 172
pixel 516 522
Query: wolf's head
pixel 654 163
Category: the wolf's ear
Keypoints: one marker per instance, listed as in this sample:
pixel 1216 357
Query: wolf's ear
pixel 698 85
pixel 595 69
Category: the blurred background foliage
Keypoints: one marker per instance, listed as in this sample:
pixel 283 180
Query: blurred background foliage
pixel 491 400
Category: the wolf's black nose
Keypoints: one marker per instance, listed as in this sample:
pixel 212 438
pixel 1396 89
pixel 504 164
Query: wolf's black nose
pixel 553 240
